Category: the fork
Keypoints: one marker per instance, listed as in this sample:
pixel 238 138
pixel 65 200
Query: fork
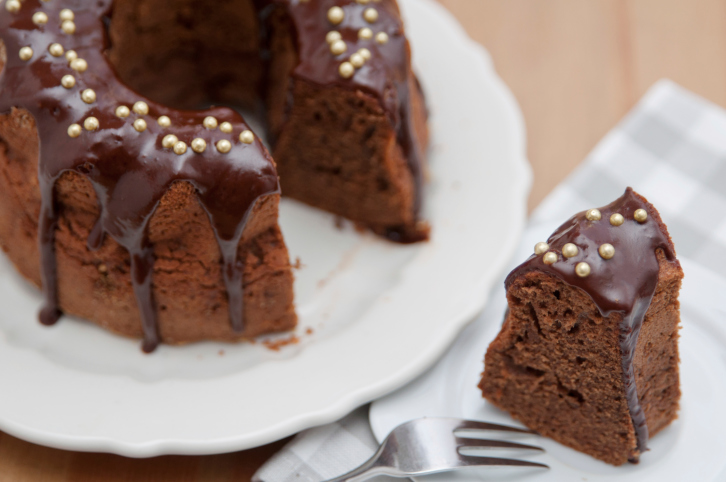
pixel 430 445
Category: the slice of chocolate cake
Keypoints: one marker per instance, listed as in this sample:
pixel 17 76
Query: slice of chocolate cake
pixel 588 353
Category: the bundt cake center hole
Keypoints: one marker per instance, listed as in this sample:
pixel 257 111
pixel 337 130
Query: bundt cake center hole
pixel 180 58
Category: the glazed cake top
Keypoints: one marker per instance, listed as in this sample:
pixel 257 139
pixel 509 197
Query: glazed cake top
pixel 610 253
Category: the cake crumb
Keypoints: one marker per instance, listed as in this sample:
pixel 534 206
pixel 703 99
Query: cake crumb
pixel 297 264
pixel 276 345
pixel 308 331
pixel 221 353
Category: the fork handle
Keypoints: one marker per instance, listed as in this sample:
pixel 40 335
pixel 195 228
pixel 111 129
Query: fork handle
pixel 370 468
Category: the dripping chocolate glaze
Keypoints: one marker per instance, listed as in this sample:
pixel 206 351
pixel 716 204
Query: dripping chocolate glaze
pixel 623 284
pixel 386 75
pixel 130 171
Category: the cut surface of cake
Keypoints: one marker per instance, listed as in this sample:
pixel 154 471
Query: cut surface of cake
pixel 588 353
pixel 155 221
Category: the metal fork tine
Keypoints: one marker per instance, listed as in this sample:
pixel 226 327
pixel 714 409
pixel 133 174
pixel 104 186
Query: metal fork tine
pixel 472 461
pixel 485 443
pixel 474 425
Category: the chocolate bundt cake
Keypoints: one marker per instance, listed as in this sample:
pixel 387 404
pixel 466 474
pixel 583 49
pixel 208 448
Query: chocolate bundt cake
pixel 588 353
pixel 157 221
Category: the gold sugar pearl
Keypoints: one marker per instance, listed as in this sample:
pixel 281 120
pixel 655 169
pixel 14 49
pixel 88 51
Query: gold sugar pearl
pixel 582 270
pixel 346 70
pixel 141 107
pixel 336 15
pixel 169 141
pixel 550 258
pixel 569 250
pixel 246 137
pixel 71 55
pixel 357 60
pixel 74 130
pixel 224 146
pixel 79 65
pixel 225 127
pixel 164 121
pixel 365 53
pixel 140 125
pixel 69 27
pixel 88 96
pixel 593 215
pixel 91 124
pixel 541 248
pixel 382 38
pixel 123 111
pixel 56 50
pixel 199 145
pixel 370 14
pixel 365 33
pixel 333 36
pixel 12 6
pixel 640 215
pixel 617 219
pixel 40 18
pixel 338 47
pixel 26 53
pixel 210 123
pixel 67 14
pixel 607 250
pixel 180 148
pixel 68 81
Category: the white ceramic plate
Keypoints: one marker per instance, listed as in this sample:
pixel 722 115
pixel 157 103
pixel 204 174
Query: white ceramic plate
pixel 692 448
pixel 381 313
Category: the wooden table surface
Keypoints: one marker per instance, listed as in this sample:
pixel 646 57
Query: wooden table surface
pixel 576 67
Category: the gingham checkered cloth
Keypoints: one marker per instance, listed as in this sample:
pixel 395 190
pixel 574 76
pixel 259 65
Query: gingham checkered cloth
pixel 671 148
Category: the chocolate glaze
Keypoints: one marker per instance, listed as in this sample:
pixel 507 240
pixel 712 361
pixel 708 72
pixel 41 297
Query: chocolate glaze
pixel 624 284
pixel 387 75
pixel 130 171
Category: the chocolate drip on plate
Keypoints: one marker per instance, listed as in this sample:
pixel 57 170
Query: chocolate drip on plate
pixel 623 284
